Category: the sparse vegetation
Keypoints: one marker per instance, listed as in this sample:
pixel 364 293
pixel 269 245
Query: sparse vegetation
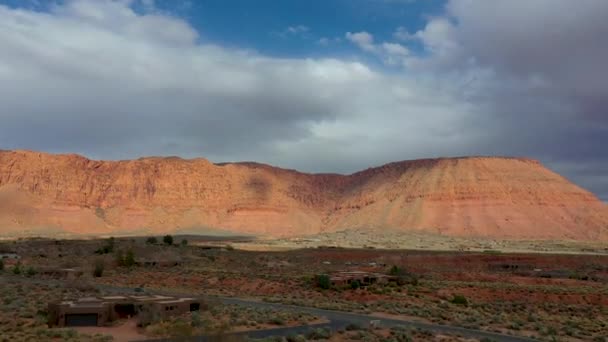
pixel 513 299
pixel 323 281
pixel 459 300
pixel 151 240
pixel 30 271
pixel 168 240
pixel 184 242
pixel 129 258
pixel 220 319
pixel 98 268
pixel 23 311
pixel 107 248
pixel 17 269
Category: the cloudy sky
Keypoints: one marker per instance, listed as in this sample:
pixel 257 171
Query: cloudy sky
pixel 317 85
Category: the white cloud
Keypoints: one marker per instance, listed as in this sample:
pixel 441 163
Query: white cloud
pixel 146 86
pixel 97 78
pixel 325 41
pixel 297 29
pixel 402 34
pixel 363 40
pixel 390 53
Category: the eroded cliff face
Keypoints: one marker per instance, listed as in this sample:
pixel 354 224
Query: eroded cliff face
pixel 474 196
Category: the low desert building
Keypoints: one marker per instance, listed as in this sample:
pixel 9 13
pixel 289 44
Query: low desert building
pixel 152 262
pixel 61 273
pixel 99 311
pixel 346 278
pixel 13 256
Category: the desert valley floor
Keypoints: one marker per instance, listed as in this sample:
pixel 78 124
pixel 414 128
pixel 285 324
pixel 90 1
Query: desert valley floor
pixel 544 296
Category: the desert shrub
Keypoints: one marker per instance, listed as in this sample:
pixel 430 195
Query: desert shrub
pixel 120 258
pixel 229 248
pixel 296 338
pixel 459 300
pixel 355 285
pixel 168 240
pixel 319 334
pixel 353 327
pixel 17 269
pixel 184 242
pixel 129 258
pixel 147 316
pixel 397 271
pixel 30 271
pixel 276 321
pixel 180 328
pixel 1 265
pixel 323 281
pixel 151 240
pixel 98 269
pixel 195 319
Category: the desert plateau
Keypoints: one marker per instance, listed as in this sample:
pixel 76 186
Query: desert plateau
pixel 477 197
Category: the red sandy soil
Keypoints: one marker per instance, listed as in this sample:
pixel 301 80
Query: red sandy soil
pixel 121 333
pixel 495 197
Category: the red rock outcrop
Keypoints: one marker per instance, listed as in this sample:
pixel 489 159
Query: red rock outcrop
pixel 472 196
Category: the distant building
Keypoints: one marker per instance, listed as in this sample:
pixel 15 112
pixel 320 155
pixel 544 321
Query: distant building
pixel 157 262
pixel 13 256
pixel 99 311
pixel 61 273
pixel 345 278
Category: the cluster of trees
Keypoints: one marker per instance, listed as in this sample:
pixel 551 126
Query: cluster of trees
pixel 107 248
pixel 167 240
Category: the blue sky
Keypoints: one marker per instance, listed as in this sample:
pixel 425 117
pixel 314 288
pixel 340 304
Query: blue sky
pixel 316 85
pixel 264 25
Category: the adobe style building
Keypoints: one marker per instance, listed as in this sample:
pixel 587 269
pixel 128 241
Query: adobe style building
pixel 61 273
pixel 99 311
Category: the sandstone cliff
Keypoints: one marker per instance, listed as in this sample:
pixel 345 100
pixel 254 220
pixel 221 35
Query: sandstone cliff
pixel 472 196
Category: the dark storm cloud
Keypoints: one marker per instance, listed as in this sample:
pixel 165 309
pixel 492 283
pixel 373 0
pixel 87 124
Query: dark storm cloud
pixel 536 77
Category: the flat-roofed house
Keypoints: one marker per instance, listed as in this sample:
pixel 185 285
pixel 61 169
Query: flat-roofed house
pixel 98 311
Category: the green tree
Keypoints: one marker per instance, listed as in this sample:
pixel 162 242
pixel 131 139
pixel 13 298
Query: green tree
pixel 168 240
pixel 1 265
pixel 184 242
pixel 129 258
pixel 323 281
pixel 99 267
pixel 151 240
pixel 355 285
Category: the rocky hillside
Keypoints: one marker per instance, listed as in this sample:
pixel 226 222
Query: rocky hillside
pixel 494 197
